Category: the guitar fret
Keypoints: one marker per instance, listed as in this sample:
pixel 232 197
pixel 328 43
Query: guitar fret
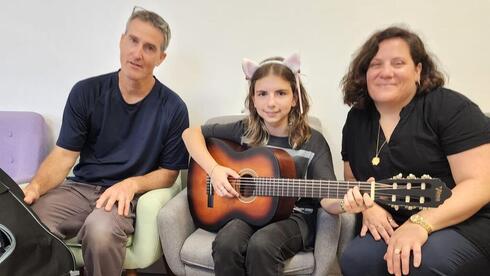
pixel 320 192
pixel 267 188
pixel 312 188
pixel 338 190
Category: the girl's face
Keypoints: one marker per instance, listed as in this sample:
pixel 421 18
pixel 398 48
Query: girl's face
pixel 392 74
pixel 273 100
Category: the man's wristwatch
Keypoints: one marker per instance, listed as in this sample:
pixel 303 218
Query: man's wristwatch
pixel 418 219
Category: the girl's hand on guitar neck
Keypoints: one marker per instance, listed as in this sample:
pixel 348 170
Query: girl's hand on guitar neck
pixel 374 218
pixel 221 185
pixel 354 202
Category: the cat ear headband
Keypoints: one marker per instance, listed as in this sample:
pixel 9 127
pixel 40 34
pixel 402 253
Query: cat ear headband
pixel 292 62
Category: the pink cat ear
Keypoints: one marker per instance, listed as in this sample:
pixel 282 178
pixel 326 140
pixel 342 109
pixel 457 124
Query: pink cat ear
pixel 249 67
pixel 293 62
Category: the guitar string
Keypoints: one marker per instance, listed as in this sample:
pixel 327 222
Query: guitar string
pixel 322 181
pixel 280 184
pixel 385 198
pixel 377 196
pixel 400 200
pixel 326 185
pixel 280 190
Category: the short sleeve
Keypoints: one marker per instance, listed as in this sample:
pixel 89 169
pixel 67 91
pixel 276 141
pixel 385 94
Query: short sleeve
pixel 460 124
pixel 346 137
pixel 174 155
pixel 74 127
pixel 322 165
pixel 230 131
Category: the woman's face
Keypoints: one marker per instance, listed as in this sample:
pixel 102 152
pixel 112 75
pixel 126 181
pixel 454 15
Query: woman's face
pixel 273 100
pixel 392 74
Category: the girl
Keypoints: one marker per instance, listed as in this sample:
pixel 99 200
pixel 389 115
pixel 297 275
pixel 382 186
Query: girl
pixel 278 107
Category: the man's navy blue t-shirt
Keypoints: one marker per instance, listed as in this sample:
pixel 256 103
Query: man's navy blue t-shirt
pixel 117 140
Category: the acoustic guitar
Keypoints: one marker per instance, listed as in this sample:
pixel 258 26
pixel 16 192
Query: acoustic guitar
pixel 268 188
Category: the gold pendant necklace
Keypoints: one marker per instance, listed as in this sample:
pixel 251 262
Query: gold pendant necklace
pixel 376 160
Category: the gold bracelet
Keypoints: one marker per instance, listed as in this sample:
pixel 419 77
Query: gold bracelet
pixel 418 219
pixel 342 205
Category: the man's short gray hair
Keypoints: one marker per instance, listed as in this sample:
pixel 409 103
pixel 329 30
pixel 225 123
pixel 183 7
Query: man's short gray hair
pixel 154 19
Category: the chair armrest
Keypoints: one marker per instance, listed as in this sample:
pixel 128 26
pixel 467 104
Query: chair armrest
pixel 146 244
pixel 326 241
pixel 175 225
pixel 347 223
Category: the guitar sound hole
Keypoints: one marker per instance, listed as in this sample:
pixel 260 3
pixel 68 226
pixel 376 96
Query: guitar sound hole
pixel 246 188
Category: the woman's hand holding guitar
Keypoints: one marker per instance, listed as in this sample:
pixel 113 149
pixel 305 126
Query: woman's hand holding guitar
pixel 379 222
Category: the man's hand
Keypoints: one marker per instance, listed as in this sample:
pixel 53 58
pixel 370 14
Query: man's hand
pixel 122 192
pixel 31 193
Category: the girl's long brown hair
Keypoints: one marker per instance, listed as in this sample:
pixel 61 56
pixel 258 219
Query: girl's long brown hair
pixel 299 130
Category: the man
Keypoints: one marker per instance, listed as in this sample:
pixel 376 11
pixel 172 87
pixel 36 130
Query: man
pixel 126 128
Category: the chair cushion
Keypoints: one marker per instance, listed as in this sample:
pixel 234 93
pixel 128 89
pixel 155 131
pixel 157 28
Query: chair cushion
pixel 196 252
pixel 197 249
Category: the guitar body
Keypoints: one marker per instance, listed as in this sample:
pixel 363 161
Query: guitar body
pixel 211 212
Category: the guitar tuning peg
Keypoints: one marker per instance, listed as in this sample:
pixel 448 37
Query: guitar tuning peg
pixel 426 176
pixel 411 176
pixel 396 207
pixel 398 176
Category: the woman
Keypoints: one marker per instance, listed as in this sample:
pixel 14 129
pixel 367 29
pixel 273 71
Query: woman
pixel 404 121
pixel 278 108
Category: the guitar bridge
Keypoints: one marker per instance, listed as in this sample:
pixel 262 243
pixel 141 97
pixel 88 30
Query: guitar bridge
pixel 210 196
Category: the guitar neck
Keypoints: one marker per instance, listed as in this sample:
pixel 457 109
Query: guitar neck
pixel 284 187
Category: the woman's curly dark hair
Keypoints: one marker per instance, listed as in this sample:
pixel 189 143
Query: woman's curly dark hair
pixel 354 83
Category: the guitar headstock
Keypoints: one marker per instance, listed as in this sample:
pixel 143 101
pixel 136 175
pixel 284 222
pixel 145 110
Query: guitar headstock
pixel 412 192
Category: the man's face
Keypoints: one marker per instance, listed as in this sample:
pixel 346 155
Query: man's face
pixel 140 50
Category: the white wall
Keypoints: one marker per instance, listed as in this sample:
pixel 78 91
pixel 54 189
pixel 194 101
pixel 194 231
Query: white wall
pixel 46 46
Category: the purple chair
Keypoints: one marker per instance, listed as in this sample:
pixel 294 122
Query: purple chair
pixel 23 144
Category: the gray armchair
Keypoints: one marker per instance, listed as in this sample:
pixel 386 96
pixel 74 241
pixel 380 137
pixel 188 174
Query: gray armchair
pixel 187 249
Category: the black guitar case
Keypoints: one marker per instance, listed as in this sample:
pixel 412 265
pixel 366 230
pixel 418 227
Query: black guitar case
pixel 27 247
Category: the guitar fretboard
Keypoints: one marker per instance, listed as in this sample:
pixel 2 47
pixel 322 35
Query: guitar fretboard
pixel 284 187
